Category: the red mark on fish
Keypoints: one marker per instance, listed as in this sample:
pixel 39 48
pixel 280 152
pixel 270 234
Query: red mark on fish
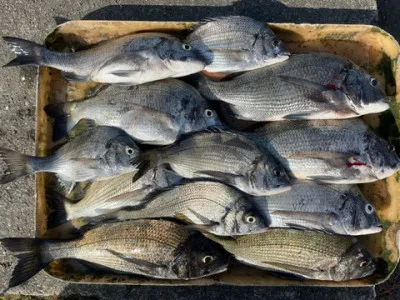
pixel 333 87
pixel 355 163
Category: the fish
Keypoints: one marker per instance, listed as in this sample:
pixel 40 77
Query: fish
pixel 305 254
pixel 154 113
pixel 128 60
pixel 90 153
pixel 329 151
pixel 214 206
pixel 236 43
pixel 106 196
pixel 330 208
pixel 153 248
pixel 224 156
pixel 306 86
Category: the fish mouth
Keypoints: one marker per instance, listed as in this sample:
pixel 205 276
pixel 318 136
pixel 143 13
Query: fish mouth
pixel 366 231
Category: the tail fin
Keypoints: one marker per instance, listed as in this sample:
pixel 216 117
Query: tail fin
pixel 29 261
pixel 58 205
pixel 60 113
pixel 28 53
pixel 146 161
pixel 17 165
pixel 204 86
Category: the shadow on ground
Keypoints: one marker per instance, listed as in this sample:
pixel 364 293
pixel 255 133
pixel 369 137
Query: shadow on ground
pixel 268 11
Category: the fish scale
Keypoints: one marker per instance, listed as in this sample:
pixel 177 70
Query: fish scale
pixel 225 156
pixel 236 43
pixel 307 254
pixel 307 86
pixel 202 203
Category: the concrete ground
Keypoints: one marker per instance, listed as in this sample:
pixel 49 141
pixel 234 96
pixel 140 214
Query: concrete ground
pixel 34 19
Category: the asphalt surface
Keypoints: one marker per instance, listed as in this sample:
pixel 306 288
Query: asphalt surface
pixel 34 19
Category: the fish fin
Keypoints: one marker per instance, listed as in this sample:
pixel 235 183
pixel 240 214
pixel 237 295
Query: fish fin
pixel 124 73
pixel 227 178
pixel 303 83
pixel 295 270
pixel 28 53
pixel 146 266
pixel 60 113
pixel 200 227
pixel 326 94
pixel 89 163
pixel 299 116
pixel 137 111
pixel 18 165
pixel 335 159
pixel 303 215
pixel 81 127
pixel 146 161
pixel 29 260
pixel 71 76
pixel 325 179
pixel 206 221
pixel 57 204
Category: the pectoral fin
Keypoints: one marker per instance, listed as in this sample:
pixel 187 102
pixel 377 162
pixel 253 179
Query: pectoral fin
pixel 286 268
pixel 88 163
pixel 225 177
pixel 317 218
pixel 143 265
pixel 335 159
pixel 70 76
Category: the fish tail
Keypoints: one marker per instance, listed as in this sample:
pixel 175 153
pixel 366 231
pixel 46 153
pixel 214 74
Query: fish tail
pixel 60 112
pixel 18 165
pixel 29 258
pixel 59 207
pixel 147 160
pixel 204 86
pixel 28 53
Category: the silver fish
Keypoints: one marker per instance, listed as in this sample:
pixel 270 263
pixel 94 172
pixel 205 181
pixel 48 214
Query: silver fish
pixel 96 153
pixel 225 156
pixel 306 86
pixel 102 197
pixel 315 206
pixel 215 207
pixel 307 254
pixel 236 43
pixel 331 151
pixel 158 249
pixel 127 60
pixel 152 113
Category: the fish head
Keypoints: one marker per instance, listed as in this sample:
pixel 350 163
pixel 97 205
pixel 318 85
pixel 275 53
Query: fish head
pixel 358 217
pixel 180 58
pixel 269 48
pixel 363 92
pixel 199 257
pixel 120 151
pixel 201 118
pixel 382 155
pixel 244 218
pixel 355 263
pixel 267 177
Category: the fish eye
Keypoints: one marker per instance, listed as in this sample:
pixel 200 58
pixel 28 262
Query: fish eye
pixel 364 263
pixel 369 209
pixel 373 82
pixel 129 150
pixel 277 172
pixel 186 47
pixel 276 42
pixel 250 219
pixel 207 259
pixel 391 148
pixel 208 113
